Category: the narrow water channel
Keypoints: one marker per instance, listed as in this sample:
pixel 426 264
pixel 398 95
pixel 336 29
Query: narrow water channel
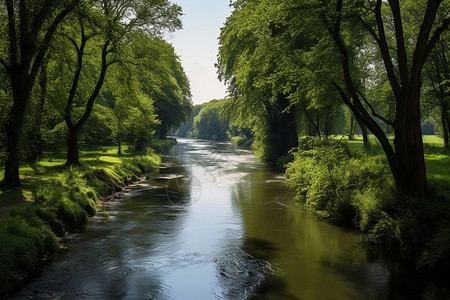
pixel 217 224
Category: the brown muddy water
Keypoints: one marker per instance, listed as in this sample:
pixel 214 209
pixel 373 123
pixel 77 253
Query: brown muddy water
pixel 218 224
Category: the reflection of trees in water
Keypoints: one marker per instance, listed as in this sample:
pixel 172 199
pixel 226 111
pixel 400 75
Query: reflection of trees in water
pixel 253 198
pixel 318 260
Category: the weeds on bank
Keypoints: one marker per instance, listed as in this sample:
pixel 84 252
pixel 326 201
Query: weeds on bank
pixel 355 187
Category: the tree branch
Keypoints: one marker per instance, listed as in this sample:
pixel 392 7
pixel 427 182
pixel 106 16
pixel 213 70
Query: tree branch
pixel 76 79
pixel 74 43
pixel 5 65
pixel 40 17
pixel 114 61
pixel 45 44
pixel 402 56
pixel 436 35
pixel 12 33
pixel 27 45
pixel 384 47
pixel 373 110
pixel 98 86
pixel 311 120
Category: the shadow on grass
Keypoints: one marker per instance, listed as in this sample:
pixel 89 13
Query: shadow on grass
pixel 10 198
pixel 51 166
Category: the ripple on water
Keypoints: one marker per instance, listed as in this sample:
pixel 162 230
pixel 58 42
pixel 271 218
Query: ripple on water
pixel 241 275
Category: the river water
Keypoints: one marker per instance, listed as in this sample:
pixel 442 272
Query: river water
pixel 218 224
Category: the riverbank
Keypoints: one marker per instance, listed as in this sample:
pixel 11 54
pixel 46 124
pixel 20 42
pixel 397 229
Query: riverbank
pixel 347 184
pixel 55 200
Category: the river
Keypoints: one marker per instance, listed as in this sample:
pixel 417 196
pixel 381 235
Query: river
pixel 218 224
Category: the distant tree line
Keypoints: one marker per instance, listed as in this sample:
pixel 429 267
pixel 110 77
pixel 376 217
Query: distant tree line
pixel 91 72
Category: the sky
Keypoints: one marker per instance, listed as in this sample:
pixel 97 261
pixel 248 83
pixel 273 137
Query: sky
pixel 197 46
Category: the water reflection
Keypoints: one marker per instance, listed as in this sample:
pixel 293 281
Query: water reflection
pixel 240 237
pixel 312 259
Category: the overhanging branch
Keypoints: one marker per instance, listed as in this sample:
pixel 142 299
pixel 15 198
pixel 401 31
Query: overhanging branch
pixel 373 110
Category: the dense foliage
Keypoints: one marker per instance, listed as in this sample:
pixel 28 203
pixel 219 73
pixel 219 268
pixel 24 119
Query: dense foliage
pixel 289 63
pixel 89 73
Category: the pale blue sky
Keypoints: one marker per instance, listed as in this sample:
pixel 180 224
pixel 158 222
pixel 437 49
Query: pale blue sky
pixel 197 45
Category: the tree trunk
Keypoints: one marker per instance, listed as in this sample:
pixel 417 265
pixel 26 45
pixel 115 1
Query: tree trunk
pixel 119 146
pixel 408 142
pixel 14 128
pixel 312 123
pixel 364 132
pixel 445 121
pixel 351 132
pixel 75 129
pixel 35 141
pixel 282 129
pixel 72 147
pixel 292 128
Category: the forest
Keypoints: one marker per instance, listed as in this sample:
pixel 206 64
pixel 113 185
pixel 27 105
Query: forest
pixel 337 94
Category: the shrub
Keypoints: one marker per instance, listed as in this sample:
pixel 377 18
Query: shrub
pixel 162 145
pixel 329 180
pixel 384 233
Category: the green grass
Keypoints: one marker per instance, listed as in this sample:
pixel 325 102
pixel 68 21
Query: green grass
pixel 437 159
pixel 51 166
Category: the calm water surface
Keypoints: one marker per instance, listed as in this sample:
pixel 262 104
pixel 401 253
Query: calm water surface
pixel 217 224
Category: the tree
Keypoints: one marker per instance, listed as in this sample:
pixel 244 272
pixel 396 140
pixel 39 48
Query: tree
pixel 31 26
pixel 209 124
pixel 110 23
pixel 406 160
pixel 248 61
pixel 163 79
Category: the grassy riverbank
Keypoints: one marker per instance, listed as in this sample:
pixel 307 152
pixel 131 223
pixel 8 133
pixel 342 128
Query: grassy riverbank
pixel 55 200
pixel 347 184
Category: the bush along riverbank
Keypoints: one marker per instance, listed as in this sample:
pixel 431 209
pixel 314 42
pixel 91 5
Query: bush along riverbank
pixel 355 187
pixel 61 203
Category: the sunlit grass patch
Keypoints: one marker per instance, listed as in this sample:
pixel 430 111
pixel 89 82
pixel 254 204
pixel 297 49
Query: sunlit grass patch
pixel 111 159
pixel 433 140
pixel 438 171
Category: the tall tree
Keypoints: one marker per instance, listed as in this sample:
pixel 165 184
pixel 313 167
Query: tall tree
pixel 110 23
pixel 406 160
pixel 31 26
pixel 249 62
